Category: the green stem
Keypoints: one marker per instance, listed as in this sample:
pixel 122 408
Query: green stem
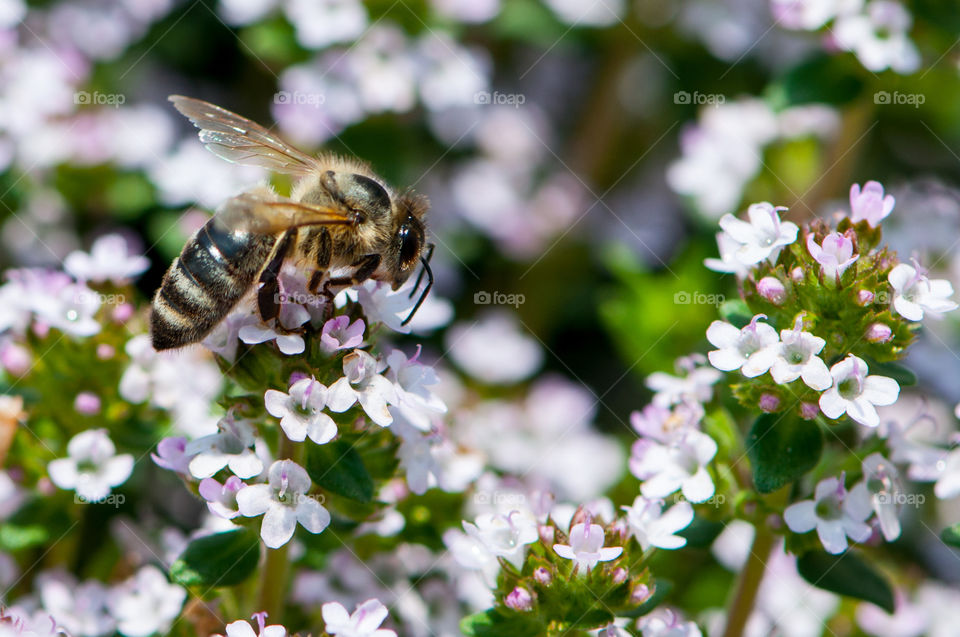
pixel 276 568
pixel 749 583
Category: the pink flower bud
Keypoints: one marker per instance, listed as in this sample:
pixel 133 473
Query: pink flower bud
pixel 769 402
pixel 619 575
pixel 519 599
pixel 542 576
pixel 809 411
pixel 87 403
pixel 864 297
pixel 640 594
pixel 770 288
pixel 122 313
pixel 547 534
pixel 797 274
pixel 15 359
pixel 105 352
pixel 878 333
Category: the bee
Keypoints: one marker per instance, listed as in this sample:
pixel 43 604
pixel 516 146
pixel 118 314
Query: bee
pixel 339 216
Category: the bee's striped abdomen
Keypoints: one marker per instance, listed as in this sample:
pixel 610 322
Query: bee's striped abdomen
pixel 215 269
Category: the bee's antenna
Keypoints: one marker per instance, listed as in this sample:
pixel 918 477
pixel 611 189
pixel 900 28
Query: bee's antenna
pixel 426 290
pixel 416 285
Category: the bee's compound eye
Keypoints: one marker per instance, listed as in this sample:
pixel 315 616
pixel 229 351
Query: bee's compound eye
pixel 411 243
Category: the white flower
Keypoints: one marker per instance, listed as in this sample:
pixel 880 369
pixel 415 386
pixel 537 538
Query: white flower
pixel 666 622
pixel 914 293
pixel 230 446
pixel 363 383
pixel 80 608
pixel 146 603
pixel 242 628
pixel 795 356
pixel 283 503
pixel 870 204
pixel 855 393
pixel 301 411
pixel 320 23
pixel 504 535
pixel 364 622
pixel 695 386
pixel 737 347
pixel 415 402
pixel 679 464
pixel 832 514
pixel 879 37
pixel 109 258
pixel 728 262
pixel 382 304
pixel 291 317
pixel 221 498
pixel 763 236
pixel 834 255
pixel 494 349
pixel 586 546
pixel 881 491
pixel 948 482
pixel 599 13
pixel 92 468
pixel 654 527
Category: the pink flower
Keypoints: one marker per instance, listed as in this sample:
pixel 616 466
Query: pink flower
pixel 870 204
pixel 835 255
pixel 339 333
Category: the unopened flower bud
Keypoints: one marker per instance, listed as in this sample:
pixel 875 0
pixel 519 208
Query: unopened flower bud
pixel 15 359
pixel 809 411
pixel 774 522
pixel 797 274
pixel 105 352
pixel 519 599
pixel 87 403
pixel 769 402
pixel 640 594
pixel 771 288
pixel 864 297
pixel 878 333
pixel 542 576
pixel 547 534
pixel 122 313
pixel 581 516
pixel 619 575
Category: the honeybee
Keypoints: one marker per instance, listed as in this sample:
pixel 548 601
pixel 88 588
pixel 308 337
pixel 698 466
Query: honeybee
pixel 339 215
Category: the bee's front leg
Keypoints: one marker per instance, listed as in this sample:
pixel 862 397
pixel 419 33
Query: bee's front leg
pixel 365 267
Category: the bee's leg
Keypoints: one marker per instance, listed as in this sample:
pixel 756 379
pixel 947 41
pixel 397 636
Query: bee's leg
pixel 324 254
pixel 366 266
pixel 268 301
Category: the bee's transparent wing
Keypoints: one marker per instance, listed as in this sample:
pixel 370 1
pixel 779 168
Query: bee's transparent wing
pixel 240 140
pixel 261 214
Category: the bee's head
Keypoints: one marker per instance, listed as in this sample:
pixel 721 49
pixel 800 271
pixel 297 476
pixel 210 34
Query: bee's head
pixel 409 236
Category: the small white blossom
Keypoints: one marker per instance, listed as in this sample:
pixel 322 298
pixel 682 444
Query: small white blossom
pixel 109 259
pixel 145 604
pixel 504 535
pixel 763 236
pixel 230 447
pixel 737 347
pixel 92 467
pixel 834 515
pixel 879 37
pixel 242 628
pixel 855 393
pixel 363 383
pixel 678 465
pixel 654 527
pixel 914 293
pixel 666 622
pixel 586 546
pixel 870 204
pixel 79 608
pixel 880 490
pixel 283 503
pixel 364 622
pixel 301 411
pixel 291 317
pixel 411 379
pixel 696 385
pixel 795 356
pixel 728 262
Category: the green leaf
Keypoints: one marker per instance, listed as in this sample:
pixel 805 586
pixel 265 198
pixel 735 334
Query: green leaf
pixel 781 448
pixel 846 574
pixel 951 535
pixel 735 311
pixel 701 532
pixel 494 623
pixel 222 559
pixel 338 467
pixel 904 376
